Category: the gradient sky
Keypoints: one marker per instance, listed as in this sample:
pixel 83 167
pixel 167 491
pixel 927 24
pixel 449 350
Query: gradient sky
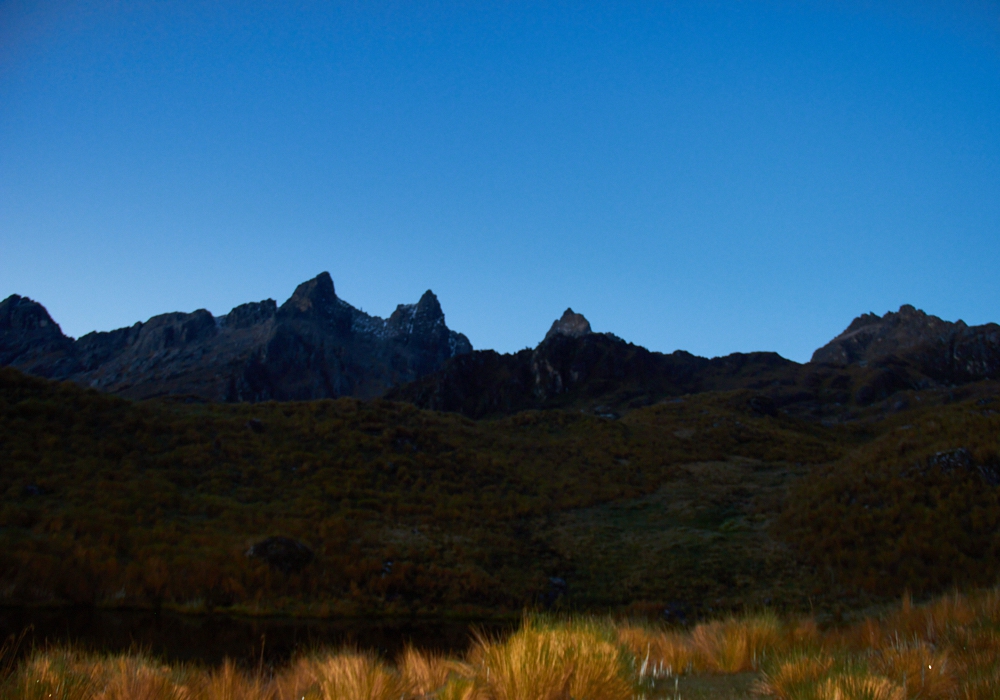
pixel 709 176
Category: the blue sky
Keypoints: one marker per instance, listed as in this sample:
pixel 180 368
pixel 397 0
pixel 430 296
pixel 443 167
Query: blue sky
pixel 709 176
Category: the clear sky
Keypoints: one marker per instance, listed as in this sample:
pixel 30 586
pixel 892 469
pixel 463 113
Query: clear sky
pixel 709 176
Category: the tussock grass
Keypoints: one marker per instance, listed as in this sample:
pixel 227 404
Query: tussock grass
pixel 579 659
pixel 542 661
pixel 730 645
pixel 946 649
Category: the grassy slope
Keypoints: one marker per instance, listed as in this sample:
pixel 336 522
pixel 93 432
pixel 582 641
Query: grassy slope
pixel 916 508
pixel 701 541
pixel 155 503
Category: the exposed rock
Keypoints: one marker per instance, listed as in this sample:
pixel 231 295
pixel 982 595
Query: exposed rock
pixel 961 462
pixel 571 324
pixel 951 460
pixel 593 369
pixel 910 349
pixel 252 314
pixel 941 350
pixel 31 340
pixel 282 554
pixel 315 345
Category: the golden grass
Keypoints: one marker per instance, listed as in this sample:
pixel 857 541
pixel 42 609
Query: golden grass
pixel 580 659
pixel 947 649
pixel 425 674
pixel 731 645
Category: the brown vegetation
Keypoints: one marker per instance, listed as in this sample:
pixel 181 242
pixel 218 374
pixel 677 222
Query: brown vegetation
pixel 943 650
pixel 110 502
pixel 116 503
pixel 917 508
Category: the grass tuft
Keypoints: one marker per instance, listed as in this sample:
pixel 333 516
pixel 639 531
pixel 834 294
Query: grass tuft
pixel 946 649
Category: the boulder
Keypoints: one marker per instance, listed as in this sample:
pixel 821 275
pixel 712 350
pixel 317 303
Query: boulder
pixel 282 554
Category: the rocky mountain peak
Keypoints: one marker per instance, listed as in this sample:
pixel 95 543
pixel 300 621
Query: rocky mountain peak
pixel 427 315
pixel 28 335
pixel 316 295
pixel 572 324
pixel 429 306
pixel 870 337
pixel 19 313
pixel 315 345
pixel 423 324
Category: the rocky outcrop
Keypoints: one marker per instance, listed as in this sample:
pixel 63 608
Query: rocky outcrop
pixel 914 349
pixel 282 554
pixel 31 340
pixel 574 367
pixel 315 345
pixel 571 324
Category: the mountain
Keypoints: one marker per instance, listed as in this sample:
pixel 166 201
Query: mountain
pixel 573 367
pixel 315 345
pixel 946 352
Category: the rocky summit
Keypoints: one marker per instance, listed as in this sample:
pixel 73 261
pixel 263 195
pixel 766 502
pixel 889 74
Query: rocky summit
pixel 574 367
pixel 315 345
pixel 913 349
pixel 874 359
pixel 572 324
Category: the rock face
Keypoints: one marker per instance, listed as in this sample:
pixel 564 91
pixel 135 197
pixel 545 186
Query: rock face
pixel 875 358
pixel 912 342
pixel 575 367
pixel 315 345
pixel 571 324
pixel 31 340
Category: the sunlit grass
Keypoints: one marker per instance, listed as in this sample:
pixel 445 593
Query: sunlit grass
pixel 947 649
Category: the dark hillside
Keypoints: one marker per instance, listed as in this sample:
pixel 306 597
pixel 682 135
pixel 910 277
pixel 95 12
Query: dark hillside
pixel 721 498
pixel 110 502
pixel 916 509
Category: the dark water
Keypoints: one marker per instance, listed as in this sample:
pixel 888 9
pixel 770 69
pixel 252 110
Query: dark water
pixel 248 641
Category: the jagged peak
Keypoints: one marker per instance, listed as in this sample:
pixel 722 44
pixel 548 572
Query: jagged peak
pixel 25 314
pixel 423 316
pixel 315 294
pixel 429 306
pixel 571 324
pixel 870 336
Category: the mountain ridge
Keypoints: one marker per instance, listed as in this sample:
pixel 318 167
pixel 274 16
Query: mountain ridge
pixel 875 358
pixel 315 345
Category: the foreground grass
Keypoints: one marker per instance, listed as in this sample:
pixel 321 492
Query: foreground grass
pixel 947 648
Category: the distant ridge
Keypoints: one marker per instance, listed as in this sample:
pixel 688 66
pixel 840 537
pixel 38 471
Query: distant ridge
pixel 315 345
pixel 573 367
pixel 942 350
